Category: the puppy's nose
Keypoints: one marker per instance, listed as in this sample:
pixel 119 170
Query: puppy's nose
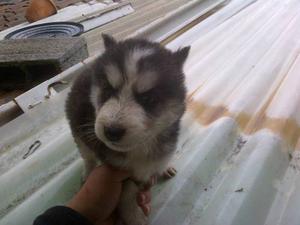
pixel 114 133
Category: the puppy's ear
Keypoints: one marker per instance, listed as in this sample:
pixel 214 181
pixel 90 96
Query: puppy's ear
pixel 109 41
pixel 181 55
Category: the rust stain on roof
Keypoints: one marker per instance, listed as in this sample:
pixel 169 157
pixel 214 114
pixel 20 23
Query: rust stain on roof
pixel 288 129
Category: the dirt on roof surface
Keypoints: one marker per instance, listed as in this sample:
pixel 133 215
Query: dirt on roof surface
pixel 12 11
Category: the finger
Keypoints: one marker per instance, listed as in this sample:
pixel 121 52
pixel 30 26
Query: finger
pixel 110 172
pixel 147 195
pixel 150 183
pixel 140 198
pixel 118 174
pixel 153 180
pixel 146 209
pixel 143 197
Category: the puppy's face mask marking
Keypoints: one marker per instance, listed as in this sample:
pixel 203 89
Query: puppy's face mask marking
pixel 138 92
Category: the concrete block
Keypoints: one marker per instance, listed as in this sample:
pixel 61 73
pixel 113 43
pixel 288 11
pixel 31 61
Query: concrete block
pixel 27 62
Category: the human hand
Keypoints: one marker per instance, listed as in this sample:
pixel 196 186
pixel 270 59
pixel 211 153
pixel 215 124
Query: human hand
pixel 99 196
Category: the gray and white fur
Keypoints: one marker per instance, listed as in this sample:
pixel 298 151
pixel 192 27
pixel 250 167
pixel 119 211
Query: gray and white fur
pixel 126 112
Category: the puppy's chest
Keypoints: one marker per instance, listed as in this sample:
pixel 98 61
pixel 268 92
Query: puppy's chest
pixel 142 166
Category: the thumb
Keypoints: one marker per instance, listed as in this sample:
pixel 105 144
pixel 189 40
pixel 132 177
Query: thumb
pixel 109 174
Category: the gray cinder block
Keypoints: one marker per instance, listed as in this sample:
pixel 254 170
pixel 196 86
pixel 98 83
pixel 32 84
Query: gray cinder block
pixel 26 62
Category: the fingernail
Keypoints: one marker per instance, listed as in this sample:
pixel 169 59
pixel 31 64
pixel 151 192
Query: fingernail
pixel 141 198
pixel 147 210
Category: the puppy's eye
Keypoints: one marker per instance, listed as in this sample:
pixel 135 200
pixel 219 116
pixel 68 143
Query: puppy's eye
pixel 147 100
pixel 107 93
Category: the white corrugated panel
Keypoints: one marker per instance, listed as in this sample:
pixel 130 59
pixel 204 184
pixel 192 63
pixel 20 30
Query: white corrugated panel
pixel 245 96
pixel 238 153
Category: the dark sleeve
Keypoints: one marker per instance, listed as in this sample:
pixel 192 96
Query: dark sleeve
pixel 61 215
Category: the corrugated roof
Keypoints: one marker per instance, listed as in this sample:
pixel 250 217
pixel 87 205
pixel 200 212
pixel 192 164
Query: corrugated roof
pixel 239 156
pixel 145 12
pixel 238 153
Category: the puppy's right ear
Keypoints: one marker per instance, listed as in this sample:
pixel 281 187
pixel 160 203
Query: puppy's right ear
pixel 181 55
pixel 109 41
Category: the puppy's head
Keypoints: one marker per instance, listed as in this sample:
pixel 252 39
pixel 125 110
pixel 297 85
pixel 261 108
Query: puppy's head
pixel 138 92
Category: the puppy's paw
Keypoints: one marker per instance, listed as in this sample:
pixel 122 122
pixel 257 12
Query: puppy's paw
pixel 169 173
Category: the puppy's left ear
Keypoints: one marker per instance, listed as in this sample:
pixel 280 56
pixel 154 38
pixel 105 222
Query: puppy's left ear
pixel 181 55
pixel 109 41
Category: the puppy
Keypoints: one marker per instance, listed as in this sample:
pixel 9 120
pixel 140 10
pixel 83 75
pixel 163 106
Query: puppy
pixel 126 112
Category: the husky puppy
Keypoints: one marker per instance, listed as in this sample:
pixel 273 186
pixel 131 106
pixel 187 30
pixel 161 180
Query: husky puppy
pixel 126 112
